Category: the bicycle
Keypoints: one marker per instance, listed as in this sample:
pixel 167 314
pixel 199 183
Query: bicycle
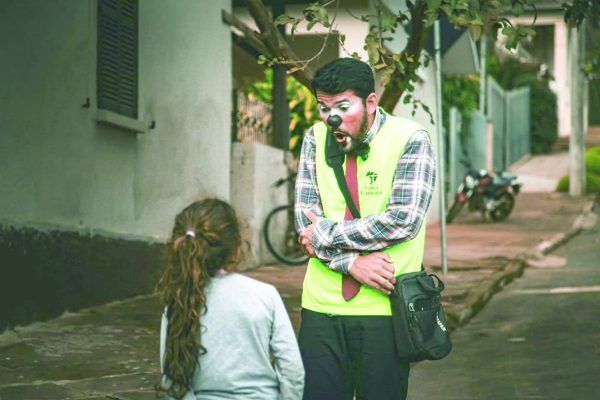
pixel 280 234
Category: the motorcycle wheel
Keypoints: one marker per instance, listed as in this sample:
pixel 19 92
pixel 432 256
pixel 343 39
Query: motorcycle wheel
pixel 453 211
pixel 506 203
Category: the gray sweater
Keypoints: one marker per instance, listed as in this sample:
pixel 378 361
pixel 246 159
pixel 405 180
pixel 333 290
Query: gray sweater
pixel 245 324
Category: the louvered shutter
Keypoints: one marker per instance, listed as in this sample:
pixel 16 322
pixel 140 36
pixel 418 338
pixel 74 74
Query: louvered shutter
pixel 118 56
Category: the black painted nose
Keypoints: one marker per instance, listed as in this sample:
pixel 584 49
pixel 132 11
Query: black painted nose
pixel 334 121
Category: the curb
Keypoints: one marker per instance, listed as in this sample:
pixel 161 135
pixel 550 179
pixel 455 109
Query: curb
pixel 477 298
pixel 559 239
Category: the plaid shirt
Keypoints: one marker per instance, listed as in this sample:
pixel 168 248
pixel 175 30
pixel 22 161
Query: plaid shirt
pixel 338 244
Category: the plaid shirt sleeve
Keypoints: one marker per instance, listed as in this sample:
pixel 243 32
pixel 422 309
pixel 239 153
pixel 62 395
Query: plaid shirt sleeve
pixel 307 198
pixel 411 195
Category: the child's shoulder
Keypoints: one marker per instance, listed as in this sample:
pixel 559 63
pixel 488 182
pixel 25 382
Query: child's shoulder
pixel 245 282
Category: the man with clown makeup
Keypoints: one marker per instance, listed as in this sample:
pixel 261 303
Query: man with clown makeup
pixel 346 335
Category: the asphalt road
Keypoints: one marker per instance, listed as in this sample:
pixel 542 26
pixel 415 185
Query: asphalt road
pixel 537 339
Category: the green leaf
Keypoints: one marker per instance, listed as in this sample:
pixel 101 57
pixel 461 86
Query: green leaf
pixel 434 5
pixel 517 9
pixel 323 16
pixel 460 20
pixel 526 31
pixel 294 141
pixel 401 67
pixel 387 20
pixel 477 21
pixel 285 19
pixel 372 47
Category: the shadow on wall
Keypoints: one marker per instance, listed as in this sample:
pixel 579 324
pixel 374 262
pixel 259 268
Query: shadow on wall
pixel 45 273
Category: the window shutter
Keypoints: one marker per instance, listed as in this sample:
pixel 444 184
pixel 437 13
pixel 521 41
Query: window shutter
pixel 117 72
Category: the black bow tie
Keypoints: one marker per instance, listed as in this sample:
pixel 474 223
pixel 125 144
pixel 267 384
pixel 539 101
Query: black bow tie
pixel 362 150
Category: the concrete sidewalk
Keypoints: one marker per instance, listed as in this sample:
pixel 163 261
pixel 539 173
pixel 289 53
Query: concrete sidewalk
pixel 542 173
pixel 111 351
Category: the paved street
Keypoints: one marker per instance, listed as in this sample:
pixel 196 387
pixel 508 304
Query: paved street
pixel 538 339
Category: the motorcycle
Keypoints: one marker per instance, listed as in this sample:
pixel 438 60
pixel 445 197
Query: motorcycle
pixel 491 194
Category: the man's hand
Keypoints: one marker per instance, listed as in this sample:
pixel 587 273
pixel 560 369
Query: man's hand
pixel 305 238
pixel 375 270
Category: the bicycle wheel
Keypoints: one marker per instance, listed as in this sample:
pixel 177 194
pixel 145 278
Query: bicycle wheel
pixel 281 237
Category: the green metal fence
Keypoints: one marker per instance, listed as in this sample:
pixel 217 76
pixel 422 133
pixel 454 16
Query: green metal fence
pixel 470 150
pixel 495 111
pixel 518 125
pixel 509 111
pixel 509 114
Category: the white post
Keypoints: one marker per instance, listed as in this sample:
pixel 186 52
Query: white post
pixel 441 175
pixel 453 155
pixel 482 71
pixel 577 138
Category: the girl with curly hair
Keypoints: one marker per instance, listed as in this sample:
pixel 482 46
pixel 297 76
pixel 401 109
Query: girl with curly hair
pixel 223 335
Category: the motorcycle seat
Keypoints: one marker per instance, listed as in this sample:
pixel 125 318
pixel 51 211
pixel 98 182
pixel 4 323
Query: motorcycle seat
pixel 502 180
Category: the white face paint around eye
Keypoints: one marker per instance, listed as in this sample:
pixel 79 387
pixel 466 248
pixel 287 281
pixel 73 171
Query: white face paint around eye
pixel 342 108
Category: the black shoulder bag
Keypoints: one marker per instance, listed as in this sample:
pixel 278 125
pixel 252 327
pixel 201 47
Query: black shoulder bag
pixel 418 318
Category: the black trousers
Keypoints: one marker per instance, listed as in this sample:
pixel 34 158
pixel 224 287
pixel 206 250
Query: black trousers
pixel 345 356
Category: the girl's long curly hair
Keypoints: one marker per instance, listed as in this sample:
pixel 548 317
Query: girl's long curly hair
pixel 205 239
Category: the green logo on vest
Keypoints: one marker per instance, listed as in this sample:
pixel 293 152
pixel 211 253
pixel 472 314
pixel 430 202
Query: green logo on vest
pixel 372 177
pixel 372 188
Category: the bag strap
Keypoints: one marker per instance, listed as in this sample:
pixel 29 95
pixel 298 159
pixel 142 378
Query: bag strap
pixel 334 157
pixel 427 287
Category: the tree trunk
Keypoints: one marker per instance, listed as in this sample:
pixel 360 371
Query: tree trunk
pixel 276 43
pixel 281 110
pixel 414 47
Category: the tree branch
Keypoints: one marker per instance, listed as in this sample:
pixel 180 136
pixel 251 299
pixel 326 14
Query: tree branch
pixel 276 44
pixel 413 49
pixel 249 36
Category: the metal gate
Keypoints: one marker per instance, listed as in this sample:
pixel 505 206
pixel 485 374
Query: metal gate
pixel 469 152
pixel 251 120
pixel 509 111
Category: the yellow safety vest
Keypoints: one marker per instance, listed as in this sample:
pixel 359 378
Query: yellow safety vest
pixel 322 291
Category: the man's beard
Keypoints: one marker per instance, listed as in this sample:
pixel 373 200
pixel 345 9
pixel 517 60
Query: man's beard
pixel 350 144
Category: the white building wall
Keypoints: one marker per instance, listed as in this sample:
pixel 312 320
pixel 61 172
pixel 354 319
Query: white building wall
pixel 560 85
pixel 60 166
pixel 255 168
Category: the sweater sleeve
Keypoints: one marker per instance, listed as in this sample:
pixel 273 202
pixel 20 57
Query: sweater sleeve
pixel 284 347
